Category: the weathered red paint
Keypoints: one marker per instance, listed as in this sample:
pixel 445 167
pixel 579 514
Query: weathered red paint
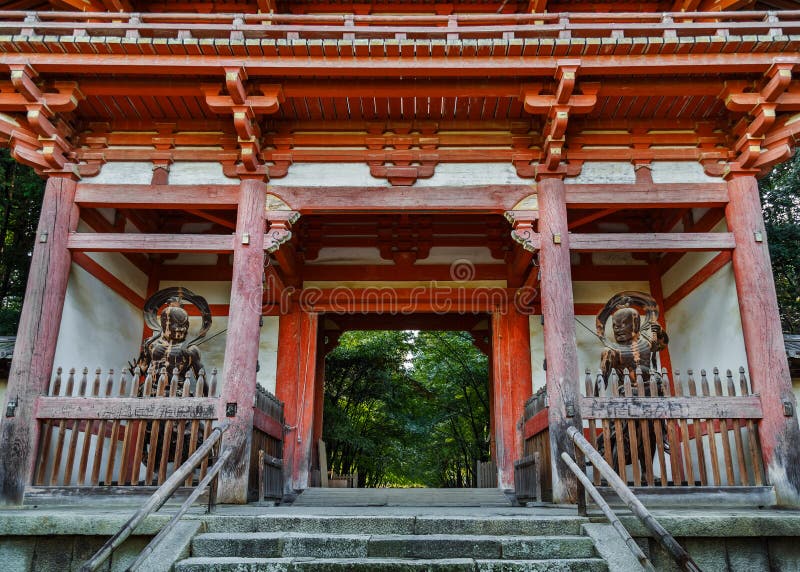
pixel 297 366
pixel 37 335
pixel 241 346
pixel 761 325
pixel 511 369
pixel 560 347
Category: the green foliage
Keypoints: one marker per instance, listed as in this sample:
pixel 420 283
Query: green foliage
pixel 780 198
pixel 21 201
pixel 407 409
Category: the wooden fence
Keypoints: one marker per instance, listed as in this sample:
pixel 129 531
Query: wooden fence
pixel 266 452
pixel 125 430
pixel 666 432
pixel 528 478
pixel 537 442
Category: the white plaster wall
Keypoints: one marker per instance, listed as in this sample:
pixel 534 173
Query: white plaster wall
pixel 350 256
pixel 795 388
pixel 123 172
pixel 98 327
pixel 537 352
pixel 199 173
pixel 680 172
pixel 599 172
pixel 601 292
pixel 688 265
pixel 473 174
pixel 123 269
pixel 705 328
pixel 268 353
pixel 329 174
pixel 215 292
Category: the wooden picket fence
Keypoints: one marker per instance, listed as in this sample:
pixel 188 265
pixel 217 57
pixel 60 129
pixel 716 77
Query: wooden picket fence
pixel 266 452
pixel 698 437
pixel 128 429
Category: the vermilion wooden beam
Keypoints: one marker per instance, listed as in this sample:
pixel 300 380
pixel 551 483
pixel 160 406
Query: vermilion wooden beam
pixel 652 242
pixel 439 272
pixel 495 198
pixel 668 65
pixel 205 197
pixel 405 300
pixel 591 217
pixel 131 242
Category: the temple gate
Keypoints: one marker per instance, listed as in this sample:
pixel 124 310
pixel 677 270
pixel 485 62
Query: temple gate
pixel 289 162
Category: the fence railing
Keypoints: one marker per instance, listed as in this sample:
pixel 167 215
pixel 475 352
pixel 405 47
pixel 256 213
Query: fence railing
pixel 266 457
pixel 286 27
pixel 662 432
pixel 486 474
pixel 528 478
pixel 537 440
pixel 125 429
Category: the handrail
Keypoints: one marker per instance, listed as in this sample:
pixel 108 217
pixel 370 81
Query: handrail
pixel 156 500
pixel 612 518
pixel 680 555
pixel 190 500
pixel 291 27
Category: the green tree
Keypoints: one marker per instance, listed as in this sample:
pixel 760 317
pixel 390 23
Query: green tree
pixel 368 404
pixel 780 199
pixel 406 408
pixel 22 192
pixel 455 375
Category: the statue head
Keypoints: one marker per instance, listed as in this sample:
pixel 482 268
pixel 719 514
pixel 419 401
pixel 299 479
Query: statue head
pixel 174 324
pixel 626 323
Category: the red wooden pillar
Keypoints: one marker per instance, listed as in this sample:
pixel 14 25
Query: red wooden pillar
pixel 766 356
pixel 37 335
pixel 560 347
pixel 241 346
pixel 511 386
pixel 297 367
pixel 319 395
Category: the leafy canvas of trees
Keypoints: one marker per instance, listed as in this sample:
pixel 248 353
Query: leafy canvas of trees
pixel 407 408
pixel 21 190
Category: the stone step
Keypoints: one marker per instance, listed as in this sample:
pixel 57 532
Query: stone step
pixel 403 497
pixel 493 525
pixel 234 564
pixel 430 546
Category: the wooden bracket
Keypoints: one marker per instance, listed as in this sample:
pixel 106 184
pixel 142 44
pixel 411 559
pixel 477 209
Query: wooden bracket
pixel 761 108
pixel 558 108
pixel 277 242
pixel 245 107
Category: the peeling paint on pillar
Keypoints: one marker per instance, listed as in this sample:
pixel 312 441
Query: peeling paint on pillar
pixel 242 343
pixel 560 347
pixel 766 357
pixel 37 336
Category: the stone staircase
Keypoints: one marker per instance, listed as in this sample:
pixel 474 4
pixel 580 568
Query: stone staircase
pixel 378 542
pixel 403 497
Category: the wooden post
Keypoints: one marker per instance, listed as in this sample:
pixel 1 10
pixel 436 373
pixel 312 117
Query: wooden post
pixel 319 393
pixel 560 347
pixel 761 325
pixel 37 335
pixel 297 367
pixel 241 346
pixel 511 373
